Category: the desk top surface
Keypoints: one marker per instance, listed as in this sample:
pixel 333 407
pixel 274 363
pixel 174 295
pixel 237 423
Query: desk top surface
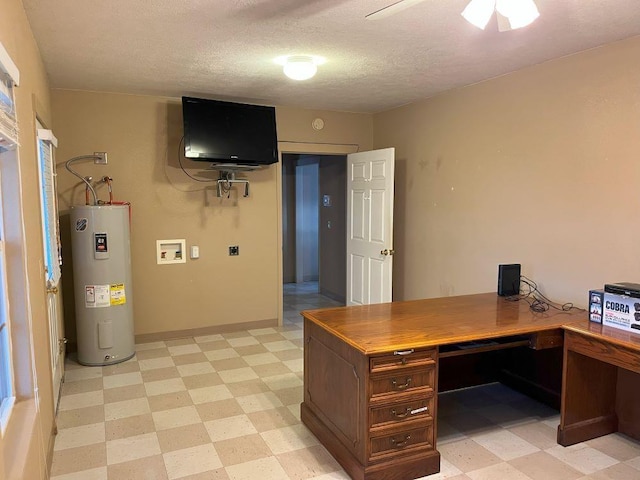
pixel 386 327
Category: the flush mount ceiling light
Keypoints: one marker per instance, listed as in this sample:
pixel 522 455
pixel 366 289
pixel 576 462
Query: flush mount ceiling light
pixel 300 67
pixel 518 13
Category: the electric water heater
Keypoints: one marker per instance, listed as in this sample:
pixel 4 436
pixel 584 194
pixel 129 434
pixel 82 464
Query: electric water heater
pixel 100 243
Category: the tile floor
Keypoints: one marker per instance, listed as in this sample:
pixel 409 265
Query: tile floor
pixel 227 407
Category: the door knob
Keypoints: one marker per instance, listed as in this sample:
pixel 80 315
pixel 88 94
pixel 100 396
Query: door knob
pixel 387 251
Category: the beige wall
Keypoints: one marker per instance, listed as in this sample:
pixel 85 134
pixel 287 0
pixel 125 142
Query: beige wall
pixel 27 441
pixel 141 135
pixel 538 167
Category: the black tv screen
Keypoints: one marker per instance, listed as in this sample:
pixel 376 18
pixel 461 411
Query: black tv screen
pixel 229 133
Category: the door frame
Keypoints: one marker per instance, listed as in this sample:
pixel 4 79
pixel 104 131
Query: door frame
pixel 304 149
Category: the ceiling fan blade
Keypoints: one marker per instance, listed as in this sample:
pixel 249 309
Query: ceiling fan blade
pixel 392 9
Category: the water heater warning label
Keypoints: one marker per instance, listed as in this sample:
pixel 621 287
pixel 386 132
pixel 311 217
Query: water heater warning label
pixel 101 248
pixel 96 296
pixel 101 242
pixel 117 294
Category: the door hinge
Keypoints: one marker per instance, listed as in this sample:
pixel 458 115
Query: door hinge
pixel 61 343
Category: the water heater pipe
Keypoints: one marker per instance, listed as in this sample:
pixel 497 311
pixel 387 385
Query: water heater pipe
pixel 108 180
pixel 86 190
pixel 68 163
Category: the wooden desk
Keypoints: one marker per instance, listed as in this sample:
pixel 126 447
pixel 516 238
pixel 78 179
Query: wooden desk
pixel 601 383
pixel 370 374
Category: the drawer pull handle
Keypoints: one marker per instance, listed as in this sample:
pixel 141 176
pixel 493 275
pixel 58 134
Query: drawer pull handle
pixel 407 384
pixel 401 415
pixel 419 410
pixel 402 443
pixel 404 352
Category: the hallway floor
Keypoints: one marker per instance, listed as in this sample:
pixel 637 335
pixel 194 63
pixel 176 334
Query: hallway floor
pixel 226 407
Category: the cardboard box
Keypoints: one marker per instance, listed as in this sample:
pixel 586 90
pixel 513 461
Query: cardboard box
pixel 596 303
pixel 620 311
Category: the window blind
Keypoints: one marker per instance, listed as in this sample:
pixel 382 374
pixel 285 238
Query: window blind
pixel 53 258
pixel 9 77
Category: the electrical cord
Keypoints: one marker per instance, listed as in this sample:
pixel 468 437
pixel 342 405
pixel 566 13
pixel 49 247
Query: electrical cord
pixel 224 186
pixel 180 146
pixel 538 303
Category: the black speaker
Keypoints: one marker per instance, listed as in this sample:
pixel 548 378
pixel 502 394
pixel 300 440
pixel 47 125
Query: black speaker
pixel 509 279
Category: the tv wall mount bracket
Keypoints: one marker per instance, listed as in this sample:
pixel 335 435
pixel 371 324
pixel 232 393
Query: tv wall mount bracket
pixel 226 181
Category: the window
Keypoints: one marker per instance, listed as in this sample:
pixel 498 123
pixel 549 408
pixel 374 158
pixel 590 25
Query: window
pixel 9 78
pixel 6 378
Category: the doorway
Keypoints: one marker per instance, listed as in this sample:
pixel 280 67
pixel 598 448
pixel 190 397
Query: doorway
pixel 313 231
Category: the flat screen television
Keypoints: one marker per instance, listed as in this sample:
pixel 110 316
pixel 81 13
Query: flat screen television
pixel 233 134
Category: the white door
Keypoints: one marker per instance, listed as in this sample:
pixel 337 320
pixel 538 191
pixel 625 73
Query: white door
pixel 51 243
pixel 370 226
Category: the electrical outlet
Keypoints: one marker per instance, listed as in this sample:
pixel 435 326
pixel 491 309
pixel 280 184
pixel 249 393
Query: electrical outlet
pixel 101 158
pixel 234 250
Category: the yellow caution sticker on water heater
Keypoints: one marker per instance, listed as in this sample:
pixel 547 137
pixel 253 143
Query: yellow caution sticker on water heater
pixel 117 294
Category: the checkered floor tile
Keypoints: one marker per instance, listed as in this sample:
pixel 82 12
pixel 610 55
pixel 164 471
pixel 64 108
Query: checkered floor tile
pixel 227 407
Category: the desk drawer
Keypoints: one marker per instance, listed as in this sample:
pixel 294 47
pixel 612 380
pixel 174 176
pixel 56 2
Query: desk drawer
pixel 401 441
pixel 603 350
pixel 547 339
pixel 397 413
pixel 402 381
pixel 402 359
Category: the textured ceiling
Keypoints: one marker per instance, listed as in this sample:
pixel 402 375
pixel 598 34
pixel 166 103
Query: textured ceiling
pixel 224 49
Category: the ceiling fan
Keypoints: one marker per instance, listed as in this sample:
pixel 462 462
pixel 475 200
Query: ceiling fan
pixel 392 9
pixel 510 14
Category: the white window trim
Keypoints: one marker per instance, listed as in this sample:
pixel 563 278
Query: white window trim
pixel 5 413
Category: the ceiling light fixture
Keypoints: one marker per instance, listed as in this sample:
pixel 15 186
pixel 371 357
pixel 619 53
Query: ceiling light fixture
pixel 300 67
pixel 519 13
